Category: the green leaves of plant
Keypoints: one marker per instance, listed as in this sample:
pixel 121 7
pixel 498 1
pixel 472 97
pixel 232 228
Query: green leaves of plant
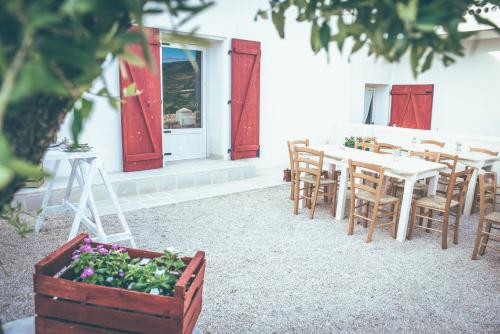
pixel 315 37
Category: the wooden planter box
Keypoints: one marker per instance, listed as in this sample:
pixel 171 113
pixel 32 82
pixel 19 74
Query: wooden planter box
pixel 64 306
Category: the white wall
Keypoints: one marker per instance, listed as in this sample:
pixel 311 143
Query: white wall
pixel 465 93
pixel 303 95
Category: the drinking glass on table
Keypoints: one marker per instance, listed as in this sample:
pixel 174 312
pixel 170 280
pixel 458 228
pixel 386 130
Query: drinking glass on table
pixel 458 146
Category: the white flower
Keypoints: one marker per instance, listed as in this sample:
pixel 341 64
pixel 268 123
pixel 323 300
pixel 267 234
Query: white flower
pixel 159 271
pixel 144 261
pixel 155 291
pixel 130 286
pixel 109 279
pixel 171 250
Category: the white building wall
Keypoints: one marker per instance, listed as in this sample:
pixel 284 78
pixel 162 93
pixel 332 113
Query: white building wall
pixel 305 96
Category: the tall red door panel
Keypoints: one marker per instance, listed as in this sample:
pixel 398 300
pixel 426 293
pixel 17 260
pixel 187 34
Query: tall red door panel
pixel 411 106
pixel 141 114
pixel 245 99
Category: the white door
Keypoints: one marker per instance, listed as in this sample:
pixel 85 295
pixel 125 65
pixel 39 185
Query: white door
pixel 183 99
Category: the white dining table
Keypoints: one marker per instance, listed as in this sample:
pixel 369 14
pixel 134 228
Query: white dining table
pixel 410 170
pixel 475 160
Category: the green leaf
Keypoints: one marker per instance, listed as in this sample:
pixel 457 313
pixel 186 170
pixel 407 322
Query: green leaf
pixel 6 174
pixel 26 169
pixel 81 112
pixel 133 59
pixel 428 62
pixel 315 37
pixel 130 90
pixel 324 35
pixel 278 19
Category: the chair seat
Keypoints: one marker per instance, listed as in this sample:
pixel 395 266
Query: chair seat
pixel 493 216
pixel 367 196
pixel 435 202
pixel 322 181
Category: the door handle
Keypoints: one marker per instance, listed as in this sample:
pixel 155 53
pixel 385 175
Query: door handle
pixel 167 131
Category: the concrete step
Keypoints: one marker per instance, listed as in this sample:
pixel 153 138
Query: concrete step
pixel 173 177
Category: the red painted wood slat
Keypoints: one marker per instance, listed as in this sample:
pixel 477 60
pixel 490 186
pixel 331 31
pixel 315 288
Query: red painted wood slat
pixel 141 114
pixel 411 106
pixel 245 99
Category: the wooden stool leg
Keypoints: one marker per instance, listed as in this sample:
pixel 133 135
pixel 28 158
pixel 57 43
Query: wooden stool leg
pixel 413 220
pixel 479 234
pixel 444 232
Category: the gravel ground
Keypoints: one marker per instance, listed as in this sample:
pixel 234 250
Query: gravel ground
pixel 269 271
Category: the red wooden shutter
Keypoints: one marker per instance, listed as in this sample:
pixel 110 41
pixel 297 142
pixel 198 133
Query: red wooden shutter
pixel 411 106
pixel 141 114
pixel 245 99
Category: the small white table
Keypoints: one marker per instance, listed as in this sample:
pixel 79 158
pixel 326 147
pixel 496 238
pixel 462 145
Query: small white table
pixel 84 166
pixel 475 160
pixel 410 170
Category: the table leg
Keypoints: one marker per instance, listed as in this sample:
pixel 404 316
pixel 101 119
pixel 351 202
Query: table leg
pixel 46 198
pixel 469 197
pixel 342 195
pixel 84 197
pixel 116 203
pixel 433 183
pixel 405 209
pixel 91 202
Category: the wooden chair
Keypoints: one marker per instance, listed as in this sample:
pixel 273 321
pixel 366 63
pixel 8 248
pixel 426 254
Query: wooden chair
pixel 449 161
pixel 483 150
pixel 291 144
pixel 308 169
pixel 386 148
pixel 366 146
pixel 487 214
pixel 420 188
pixel 432 142
pixel 443 205
pixel 476 189
pixel 360 172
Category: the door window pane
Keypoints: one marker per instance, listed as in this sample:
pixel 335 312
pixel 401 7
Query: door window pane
pixel 181 70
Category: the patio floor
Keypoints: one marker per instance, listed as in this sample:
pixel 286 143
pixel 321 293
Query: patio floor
pixel 269 271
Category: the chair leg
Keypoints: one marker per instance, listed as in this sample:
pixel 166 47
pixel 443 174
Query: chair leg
pixel 296 197
pixel 474 200
pixel 334 200
pixel 413 220
pixel 315 191
pixel 479 234
pixel 350 229
pixel 373 223
pixel 292 188
pixel 455 228
pixel 485 239
pixel 429 221
pixel 365 210
pixel 395 211
pixel 444 231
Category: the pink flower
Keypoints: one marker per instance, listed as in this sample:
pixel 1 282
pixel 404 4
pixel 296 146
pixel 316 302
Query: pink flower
pixel 103 251
pixel 75 257
pixel 115 246
pixel 87 272
pixel 87 240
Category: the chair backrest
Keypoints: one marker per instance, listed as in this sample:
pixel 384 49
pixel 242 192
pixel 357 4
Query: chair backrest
pixel 366 146
pixel 426 155
pixel 308 161
pixel 450 161
pixel 487 192
pixel 291 144
pixel 367 177
pixel 459 181
pixel 483 150
pixel 386 148
pixel 432 142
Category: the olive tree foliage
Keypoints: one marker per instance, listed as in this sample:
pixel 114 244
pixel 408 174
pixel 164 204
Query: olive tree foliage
pixel 51 51
pixel 389 29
